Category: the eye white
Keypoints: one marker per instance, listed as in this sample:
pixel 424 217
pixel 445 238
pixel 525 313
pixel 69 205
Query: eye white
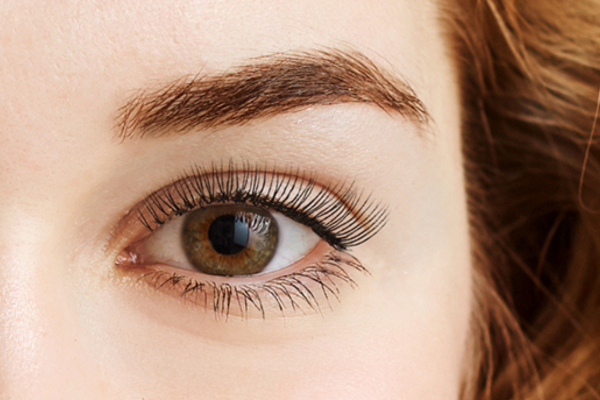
pixel 164 245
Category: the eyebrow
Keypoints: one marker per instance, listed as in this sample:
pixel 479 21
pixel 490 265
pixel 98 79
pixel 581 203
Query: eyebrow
pixel 264 87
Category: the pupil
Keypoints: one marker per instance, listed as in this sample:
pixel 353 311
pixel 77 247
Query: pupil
pixel 228 235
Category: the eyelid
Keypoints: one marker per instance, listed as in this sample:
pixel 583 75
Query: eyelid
pixel 336 212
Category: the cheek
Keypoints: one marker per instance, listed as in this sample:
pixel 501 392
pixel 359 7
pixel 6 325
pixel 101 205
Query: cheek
pixel 401 339
pixel 416 358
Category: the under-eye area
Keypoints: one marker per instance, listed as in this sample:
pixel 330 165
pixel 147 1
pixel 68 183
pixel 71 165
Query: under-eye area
pixel 252 241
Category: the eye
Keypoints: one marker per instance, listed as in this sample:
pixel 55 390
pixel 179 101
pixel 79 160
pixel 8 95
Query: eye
pixel 229 240
pixel 250 240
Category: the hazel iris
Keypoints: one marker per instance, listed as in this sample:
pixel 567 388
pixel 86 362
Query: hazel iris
pixel 230 239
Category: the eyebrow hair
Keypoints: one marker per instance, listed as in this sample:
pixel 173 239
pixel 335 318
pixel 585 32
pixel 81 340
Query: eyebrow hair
pixel 264 87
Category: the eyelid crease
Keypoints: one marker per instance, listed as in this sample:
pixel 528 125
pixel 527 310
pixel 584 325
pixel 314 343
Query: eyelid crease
pixel 336 212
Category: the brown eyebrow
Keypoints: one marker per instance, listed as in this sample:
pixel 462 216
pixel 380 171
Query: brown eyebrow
pixel 264 87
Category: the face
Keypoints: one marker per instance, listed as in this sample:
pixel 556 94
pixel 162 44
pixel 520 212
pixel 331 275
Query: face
pixel 242 199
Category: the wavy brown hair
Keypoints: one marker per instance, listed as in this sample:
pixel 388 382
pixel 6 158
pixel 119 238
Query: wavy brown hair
pixel 530 75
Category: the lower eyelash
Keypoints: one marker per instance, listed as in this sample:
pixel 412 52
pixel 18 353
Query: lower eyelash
pixel 288 292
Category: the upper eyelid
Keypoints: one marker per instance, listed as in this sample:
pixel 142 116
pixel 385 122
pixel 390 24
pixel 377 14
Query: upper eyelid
pixel 355 217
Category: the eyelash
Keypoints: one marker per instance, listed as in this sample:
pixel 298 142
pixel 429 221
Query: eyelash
pixel 342 227
pixel 288 291
pixel 338 214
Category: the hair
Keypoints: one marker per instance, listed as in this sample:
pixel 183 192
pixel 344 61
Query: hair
pixel 530 77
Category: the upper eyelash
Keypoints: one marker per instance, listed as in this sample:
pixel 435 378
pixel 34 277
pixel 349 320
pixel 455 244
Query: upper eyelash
pixel 351 220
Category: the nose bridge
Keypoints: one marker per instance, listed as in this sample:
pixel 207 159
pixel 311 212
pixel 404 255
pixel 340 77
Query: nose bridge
pixel 36 338
pixel 20 327
pixel 45 350
pixel 23 310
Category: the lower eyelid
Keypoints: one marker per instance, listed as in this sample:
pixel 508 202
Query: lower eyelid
pixel 308 286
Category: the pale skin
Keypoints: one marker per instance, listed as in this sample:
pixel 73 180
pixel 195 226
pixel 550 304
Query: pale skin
pixel 73 326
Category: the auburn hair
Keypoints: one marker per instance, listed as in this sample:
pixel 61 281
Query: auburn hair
pixel 530 79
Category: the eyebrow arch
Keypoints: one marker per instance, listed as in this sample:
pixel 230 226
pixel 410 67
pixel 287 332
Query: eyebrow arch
pixel 264 87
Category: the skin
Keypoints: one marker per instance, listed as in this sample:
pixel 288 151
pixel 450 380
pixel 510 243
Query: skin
pixel 73 327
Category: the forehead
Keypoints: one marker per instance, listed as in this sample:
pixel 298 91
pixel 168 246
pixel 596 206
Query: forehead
pixel 229 28
pixel 66 42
